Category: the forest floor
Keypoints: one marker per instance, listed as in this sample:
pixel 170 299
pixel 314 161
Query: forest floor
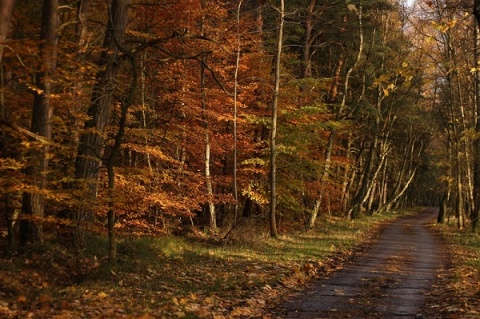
pixel 196 277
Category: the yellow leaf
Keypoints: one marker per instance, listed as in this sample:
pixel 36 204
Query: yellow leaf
pixel 242 311
pixel 22 298
pixel 102 294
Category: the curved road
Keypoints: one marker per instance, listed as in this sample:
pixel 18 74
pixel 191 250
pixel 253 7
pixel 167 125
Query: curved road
pixel 389 280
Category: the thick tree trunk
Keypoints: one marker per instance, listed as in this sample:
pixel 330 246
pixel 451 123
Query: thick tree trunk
pixel 33 202
pixel 443 207
pixel 91 146
pixel 6 10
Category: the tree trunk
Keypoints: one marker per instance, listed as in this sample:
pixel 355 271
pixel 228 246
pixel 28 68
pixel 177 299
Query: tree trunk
pixel 208 177
pixel 91 146
pixel 476 172
pixel 33 202
pixel 323 181
pixel 360 197
pixel 347 172
pixel 273 134
pixel 308 40
pixel 235 116
pixel 442 209
pixel 6 9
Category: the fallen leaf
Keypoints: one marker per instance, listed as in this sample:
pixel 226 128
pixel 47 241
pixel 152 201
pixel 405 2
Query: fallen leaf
pixel 102 294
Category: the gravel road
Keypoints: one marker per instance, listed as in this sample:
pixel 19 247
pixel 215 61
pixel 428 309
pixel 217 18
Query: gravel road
pixel 390 280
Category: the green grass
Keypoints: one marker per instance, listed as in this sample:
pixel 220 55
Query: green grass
pixel 466 242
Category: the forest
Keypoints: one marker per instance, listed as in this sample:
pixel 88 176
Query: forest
pixel 230 120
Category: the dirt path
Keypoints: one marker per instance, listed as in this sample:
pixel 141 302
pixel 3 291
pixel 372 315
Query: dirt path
pixel 388 281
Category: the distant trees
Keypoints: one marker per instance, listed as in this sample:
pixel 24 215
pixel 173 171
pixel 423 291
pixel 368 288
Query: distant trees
pixel 448 34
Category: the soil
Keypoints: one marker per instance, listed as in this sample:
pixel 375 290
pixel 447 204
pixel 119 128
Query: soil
pixel 390 280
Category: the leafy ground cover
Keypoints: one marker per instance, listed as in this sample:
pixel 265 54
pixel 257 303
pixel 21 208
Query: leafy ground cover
pixel 457 292
pixel 178 277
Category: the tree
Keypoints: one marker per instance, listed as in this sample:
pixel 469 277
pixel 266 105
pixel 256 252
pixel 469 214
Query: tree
pixel 476 171
pixel 6 9
pixel 273 133
pixel 33 202
pixel 91 148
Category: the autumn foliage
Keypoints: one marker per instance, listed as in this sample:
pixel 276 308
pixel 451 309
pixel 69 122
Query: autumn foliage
pixel 159 116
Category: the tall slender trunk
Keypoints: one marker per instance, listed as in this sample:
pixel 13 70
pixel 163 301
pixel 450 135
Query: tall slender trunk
pixel 235 115
pixel 33 202
pixel 143 117
pixel 273 133
pixel 476 173
pixel 323 181
pixel 308 41
pixel 346 175
pixel 208 177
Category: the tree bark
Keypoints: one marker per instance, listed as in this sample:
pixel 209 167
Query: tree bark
pixel 235 116
pixel 208 176
pixel 476 172
pixel 360 197
pixel 6 10
pixel 91 146
pixel 308 40
pixel 323 181
pixel 33 202
pixel 273 133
